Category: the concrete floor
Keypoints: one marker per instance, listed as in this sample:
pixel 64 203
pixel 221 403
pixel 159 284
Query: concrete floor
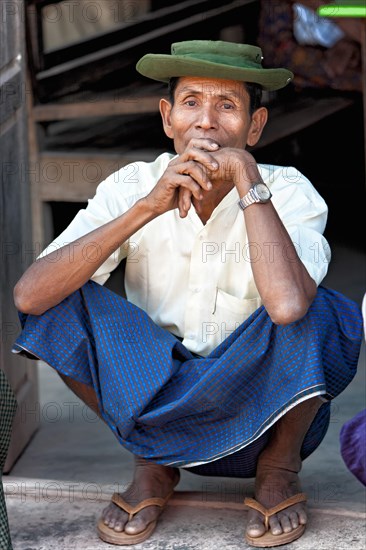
pixel 58 487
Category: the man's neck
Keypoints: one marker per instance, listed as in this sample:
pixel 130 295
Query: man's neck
pixel 211 199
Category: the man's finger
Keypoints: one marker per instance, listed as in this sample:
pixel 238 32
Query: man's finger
pixel 184 201
pixel 204 143
pixel 199 154
pixel 196 171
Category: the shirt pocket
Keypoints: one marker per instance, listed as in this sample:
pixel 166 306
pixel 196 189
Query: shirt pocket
pixel 228 307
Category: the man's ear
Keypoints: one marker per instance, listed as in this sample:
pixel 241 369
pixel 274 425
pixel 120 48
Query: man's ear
pixel 165 109
pixel 259 120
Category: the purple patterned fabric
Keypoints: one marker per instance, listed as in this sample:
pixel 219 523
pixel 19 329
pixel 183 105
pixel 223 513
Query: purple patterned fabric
pixel 353 445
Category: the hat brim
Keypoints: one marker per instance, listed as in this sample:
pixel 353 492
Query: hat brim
pixel 164 67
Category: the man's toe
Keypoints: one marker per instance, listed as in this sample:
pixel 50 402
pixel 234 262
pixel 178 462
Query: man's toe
pixel 294 519
pixel 285 524
pixel 275 526
pixel 118 526
pixel 137 525
pixel 255 527
pixel 302 515
pixel 114 518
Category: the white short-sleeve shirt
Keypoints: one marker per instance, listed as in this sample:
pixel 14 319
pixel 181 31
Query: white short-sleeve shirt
pixel 195 279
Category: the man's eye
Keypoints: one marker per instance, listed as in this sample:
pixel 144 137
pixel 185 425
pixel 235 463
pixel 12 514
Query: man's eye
pixel 227 106
pixel 191 102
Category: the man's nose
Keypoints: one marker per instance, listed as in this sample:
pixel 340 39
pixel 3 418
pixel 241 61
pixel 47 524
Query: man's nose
pixel 207 117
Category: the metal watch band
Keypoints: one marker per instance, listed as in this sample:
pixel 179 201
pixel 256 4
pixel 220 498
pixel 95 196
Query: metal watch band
pixel 248 199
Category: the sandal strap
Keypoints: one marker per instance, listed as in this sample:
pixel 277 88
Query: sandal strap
pixel 268 512
pixel 132 510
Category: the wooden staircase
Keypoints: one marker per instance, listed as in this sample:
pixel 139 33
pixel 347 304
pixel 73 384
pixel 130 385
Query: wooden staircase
pixel 90 113
pixel 80 93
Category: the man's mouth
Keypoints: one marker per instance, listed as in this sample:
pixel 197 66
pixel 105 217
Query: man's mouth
pixel 210 139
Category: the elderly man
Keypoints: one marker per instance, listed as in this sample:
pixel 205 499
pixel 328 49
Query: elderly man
pixel 226 354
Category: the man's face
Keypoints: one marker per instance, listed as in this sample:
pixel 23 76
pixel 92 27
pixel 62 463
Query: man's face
pixel 209 108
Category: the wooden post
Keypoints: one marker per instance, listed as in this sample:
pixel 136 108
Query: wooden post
pixel 17 246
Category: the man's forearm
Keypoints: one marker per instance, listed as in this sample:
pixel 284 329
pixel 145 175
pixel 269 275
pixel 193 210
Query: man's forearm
pixel 55 276
pixel 283 282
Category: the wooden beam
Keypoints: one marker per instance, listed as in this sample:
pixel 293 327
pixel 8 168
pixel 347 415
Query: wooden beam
pixel 117 106
pixel 132 27
pixel 285 120
pixel 74 177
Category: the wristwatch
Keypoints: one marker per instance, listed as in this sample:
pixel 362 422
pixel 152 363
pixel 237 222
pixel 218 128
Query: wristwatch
pixel 258 193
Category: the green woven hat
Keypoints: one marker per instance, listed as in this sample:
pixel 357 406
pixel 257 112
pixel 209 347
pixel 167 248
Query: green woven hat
pixel 213 59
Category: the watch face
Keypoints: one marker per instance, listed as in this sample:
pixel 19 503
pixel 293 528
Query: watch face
pixel 263 192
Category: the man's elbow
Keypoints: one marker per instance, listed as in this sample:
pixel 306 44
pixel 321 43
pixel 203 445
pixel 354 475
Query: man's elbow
pixel 289 312
pixel 24 300
pixel 291 306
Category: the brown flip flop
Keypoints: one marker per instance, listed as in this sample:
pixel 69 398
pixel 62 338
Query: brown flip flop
pixel 268 540
pixel 114 537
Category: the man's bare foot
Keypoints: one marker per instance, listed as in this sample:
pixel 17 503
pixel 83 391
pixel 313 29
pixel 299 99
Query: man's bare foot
pixel 150 480
pixel 274 484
